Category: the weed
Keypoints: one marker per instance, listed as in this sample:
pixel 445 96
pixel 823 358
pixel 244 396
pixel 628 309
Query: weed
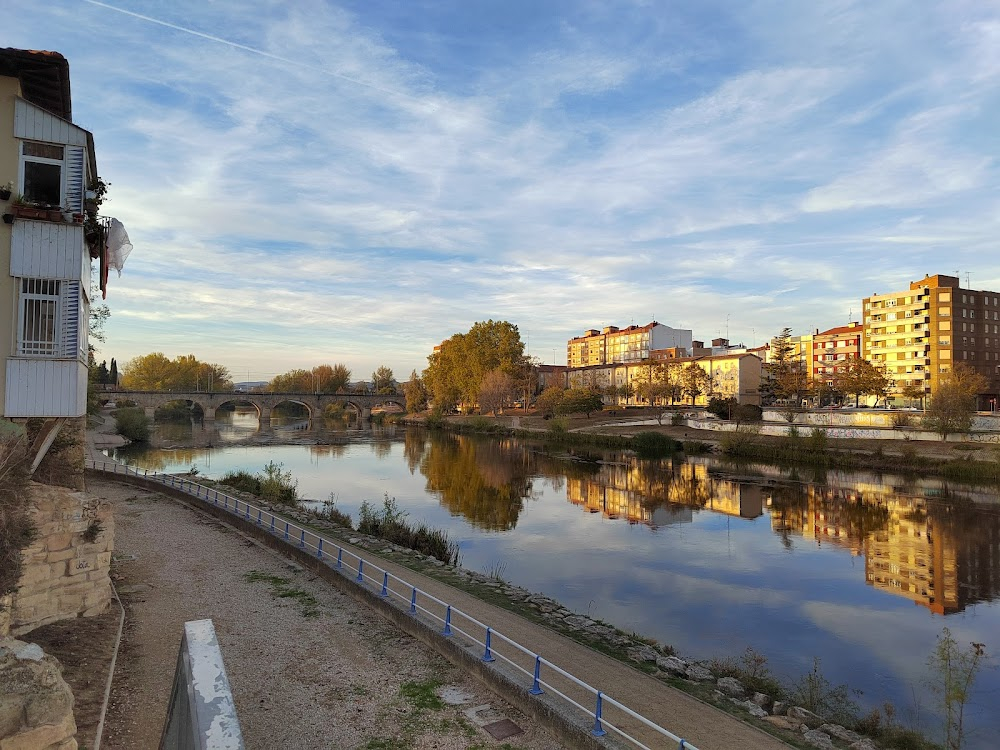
pixel 421 695
pixel 495 571
pixel 281 589
pixel 953 672
pixel 814 692
pixel 390 524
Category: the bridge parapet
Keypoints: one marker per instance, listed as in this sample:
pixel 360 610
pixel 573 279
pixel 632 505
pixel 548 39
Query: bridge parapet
pixel 264 403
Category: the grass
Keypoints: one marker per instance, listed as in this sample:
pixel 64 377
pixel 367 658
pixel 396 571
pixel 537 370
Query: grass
pixel 281 588
pixel 422 695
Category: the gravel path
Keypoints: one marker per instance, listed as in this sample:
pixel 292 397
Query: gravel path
pixel 309 666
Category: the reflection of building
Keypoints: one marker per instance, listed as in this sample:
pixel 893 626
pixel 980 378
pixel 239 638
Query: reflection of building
pixel 657 496
pixel 939 556
pixel 632 344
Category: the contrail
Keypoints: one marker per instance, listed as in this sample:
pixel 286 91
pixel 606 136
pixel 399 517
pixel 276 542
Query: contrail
pixel 262 53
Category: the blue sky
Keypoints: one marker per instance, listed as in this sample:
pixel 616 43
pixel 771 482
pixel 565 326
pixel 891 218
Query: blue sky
pixel 309 182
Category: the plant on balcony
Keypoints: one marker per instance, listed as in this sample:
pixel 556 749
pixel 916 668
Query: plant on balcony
pixel 6 190
pixel 26 209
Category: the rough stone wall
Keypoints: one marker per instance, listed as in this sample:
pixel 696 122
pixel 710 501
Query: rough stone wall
pixel 36 705
pixel 64 462
pixel 65 574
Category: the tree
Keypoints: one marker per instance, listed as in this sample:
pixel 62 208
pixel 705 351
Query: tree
pixel 914 391
pixel 496 391
pixel 953 673
pixel 113 375
pixel 456 369
pixel 331 379
pixel 862 378
pixel 293 381
pixel 383 380
pixel 416 394
pixel 154 372
pixel 693 381
pixel 576 400
pixel 549 401
pixel 953 404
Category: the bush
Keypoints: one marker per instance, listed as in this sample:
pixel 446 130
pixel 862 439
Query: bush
pixel 333 514
pixel 242 480
pixel 389 524
pixel 133 424
pixel 678 419
pixel 815 693
pixel 748 413
pixel 695 447
pixel 275 485
pixel 653 445
pixel 723 408
pixel 750 669
pixel 16 529
pixel 817 440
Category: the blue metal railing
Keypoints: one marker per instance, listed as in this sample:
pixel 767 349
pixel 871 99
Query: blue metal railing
pixel 415 600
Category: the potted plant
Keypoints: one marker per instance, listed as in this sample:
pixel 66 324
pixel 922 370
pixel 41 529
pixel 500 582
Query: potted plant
pixel 6 190
pixel 8 218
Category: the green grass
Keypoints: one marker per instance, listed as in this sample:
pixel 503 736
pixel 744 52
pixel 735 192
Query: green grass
pixel 281 588
pixel 421 695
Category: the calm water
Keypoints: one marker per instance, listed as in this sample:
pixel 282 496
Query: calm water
pixel 860 570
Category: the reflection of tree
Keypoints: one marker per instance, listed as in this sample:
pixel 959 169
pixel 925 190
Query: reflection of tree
pixel 140 457
pixel 414 445
pixel 484 481
pixel 333 450
pixel 381 448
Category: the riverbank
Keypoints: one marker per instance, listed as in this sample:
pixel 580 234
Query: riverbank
pixel 963 462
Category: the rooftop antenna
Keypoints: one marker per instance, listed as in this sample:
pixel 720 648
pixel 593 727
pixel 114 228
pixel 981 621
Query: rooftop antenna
pixel 968 284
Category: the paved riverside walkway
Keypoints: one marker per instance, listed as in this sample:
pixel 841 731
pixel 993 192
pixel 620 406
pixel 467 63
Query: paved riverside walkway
pixel 702 725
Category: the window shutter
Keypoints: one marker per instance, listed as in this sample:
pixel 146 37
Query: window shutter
pixel 70 325
pixel 75 188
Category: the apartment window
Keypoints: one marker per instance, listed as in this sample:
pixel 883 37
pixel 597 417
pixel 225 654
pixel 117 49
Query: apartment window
pixel 39 317
pixel 972 342
pixel 964 300
pixel 944 325
pixel 972 327
pixel 965 326
pixel 42 172
pixel 944 312
pixel 972 299
pixel 944 297
pixel 965 312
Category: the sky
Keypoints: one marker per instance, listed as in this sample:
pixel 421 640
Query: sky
pixel 310 182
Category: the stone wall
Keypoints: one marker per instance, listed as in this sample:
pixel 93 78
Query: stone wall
pixel 36 705
pixel 66 569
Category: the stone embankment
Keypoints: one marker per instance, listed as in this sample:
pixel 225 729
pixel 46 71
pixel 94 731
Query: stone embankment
pixel 654 659
pixel 36 705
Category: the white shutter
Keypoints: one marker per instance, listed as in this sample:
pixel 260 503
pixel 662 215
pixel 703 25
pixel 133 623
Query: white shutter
pixel 75 178
pixel 69 304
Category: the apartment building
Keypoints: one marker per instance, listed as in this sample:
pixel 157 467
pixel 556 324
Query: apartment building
pixel 833 347
pixel 46 165
pixel 920 333
pixel 632 344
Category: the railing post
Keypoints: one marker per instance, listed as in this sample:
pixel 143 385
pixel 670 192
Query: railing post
pixel 302 539
pixel 272 523
pixel 536 689
pixel 598 730
pixel 447 622
pixel 225 502
pixel 361 567
pixel 260 516
pixel 340 557
pixel 319 548
pixel 216 498
pixel 286 531
pixel 247 511
pixel 488 654
pixel 385 583
pixel 413 601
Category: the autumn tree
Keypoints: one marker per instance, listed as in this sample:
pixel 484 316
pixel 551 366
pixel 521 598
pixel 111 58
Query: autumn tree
pixel 456 370
pixel 953 404
pixel 383 381
pixel 576 400
pixel 331 378
pixel 496 391
pixel 549 400
pixel 862 378
pixel 694 381
pixel 416 394
pixel 154 372
pixel 293 381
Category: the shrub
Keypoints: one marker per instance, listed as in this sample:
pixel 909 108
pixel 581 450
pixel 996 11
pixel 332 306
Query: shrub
pixel 653 444
pixel 133 424
pixel 817 440
pixel 902 419
pixel 723 408
pixel 750 669
pixel 241 480
pixel 390 524
pixel 16 529
pixel 695 447
pixel 815 693
pixel 748 413
pixel 678 419
pixel 558 427
pixel 333 514
pixel 277 486
pixel 434 421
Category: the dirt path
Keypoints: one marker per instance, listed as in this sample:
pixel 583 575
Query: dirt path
pixel 309 667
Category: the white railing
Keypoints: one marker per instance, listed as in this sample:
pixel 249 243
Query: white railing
pixel 589 700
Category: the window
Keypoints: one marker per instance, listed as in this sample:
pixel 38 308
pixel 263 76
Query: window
pixel 944 312
pixel 39 317
pixel 944 297
pixel 42 172
pixel 49 315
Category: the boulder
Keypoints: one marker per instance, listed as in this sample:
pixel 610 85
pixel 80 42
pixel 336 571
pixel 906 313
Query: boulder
pixel 763 700
pixel 731 687
pixel 818 739
pixel 641 654
pixel 864 743
pixel 841 733
pixel 698 673
pixel 806 717
pixel 753 709
pixel 36 704
pixel 780 708
pixel 783 722
pixel 672 664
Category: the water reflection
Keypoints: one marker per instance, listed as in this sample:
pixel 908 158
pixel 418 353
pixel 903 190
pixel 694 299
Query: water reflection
pixel 486 482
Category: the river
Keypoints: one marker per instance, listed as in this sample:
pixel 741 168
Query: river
pixel 858 570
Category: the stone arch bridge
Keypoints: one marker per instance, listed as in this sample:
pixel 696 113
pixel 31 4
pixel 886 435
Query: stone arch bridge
pixel 315 403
